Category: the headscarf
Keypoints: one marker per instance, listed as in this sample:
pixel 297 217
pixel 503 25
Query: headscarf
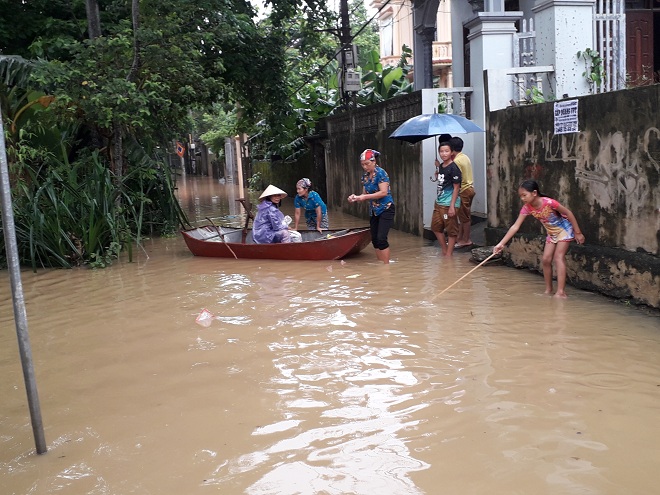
pixel 305 183
pixel 370 155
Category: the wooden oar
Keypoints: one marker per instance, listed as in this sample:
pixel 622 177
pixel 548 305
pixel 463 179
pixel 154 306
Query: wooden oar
pixel 480 264
pixel 223 237
pixel 333 234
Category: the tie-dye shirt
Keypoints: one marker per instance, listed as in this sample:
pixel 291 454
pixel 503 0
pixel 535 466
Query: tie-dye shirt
pixel 377 206
pixel 558 227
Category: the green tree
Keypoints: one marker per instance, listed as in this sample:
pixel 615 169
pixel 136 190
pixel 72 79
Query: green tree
pixel 382 83
pixel 310 89
pixel 365 31
pixel 125 76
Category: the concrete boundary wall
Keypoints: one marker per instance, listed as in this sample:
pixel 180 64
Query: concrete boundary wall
pixel 608 174
pixel 347 135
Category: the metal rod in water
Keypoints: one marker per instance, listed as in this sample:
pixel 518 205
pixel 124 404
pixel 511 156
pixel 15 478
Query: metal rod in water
pixel 20 316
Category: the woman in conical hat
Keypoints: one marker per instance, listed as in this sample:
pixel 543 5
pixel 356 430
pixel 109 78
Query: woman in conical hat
pixel 271 190
pixel 269 226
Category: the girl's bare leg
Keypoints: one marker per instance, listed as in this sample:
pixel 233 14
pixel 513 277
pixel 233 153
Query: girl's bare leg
pixel 559 259
pixel 548 254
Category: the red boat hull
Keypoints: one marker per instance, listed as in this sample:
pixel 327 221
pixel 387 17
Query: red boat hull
pixel 223 243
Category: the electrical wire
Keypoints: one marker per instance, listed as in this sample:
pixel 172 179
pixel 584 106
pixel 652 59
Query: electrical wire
pixel 320 69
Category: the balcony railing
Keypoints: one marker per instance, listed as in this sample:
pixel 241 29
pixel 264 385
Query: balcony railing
pixel 441 55
pixel 442 52
pixel 451 100
pixel 529 80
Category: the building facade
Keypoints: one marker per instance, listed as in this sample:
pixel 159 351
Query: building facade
pixel 396 30
pixel 499 53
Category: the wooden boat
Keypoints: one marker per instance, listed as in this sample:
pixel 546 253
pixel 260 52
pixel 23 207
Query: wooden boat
pixel 223 242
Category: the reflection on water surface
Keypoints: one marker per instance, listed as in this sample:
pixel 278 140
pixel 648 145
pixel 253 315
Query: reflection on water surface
pixel 325 377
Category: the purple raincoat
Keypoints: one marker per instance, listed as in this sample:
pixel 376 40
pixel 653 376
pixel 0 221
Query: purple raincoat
pixel 268 226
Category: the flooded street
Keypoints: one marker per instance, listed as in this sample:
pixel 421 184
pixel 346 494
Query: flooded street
pixel 328 378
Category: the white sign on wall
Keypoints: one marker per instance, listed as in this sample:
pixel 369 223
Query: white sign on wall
pixel 566 117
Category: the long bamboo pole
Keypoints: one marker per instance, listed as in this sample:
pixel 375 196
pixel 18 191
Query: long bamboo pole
pixel 480 264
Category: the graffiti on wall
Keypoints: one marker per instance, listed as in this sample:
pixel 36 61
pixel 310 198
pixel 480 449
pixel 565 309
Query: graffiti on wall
pixel 608 173
pixel 611 168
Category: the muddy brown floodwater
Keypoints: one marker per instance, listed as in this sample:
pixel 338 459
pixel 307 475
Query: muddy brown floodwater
pixel 325 377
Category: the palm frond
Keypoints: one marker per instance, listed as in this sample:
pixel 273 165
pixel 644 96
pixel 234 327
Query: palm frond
pixel 15 70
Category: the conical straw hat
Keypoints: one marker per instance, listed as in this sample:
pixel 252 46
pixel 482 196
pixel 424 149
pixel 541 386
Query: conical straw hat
pixel 271 190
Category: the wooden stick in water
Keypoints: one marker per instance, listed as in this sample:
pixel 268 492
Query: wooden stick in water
pixel 480 264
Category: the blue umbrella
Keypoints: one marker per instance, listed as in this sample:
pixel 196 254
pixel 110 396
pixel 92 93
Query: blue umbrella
pixel 433 124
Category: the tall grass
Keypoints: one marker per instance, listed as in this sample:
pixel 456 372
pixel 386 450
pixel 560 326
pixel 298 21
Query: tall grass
pixel 72 214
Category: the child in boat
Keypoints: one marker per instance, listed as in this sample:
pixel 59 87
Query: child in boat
pixel 269 225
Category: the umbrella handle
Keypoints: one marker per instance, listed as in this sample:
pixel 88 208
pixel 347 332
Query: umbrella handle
pixel 435 142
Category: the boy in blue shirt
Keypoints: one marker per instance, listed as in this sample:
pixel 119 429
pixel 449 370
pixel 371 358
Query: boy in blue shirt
pixel 449 177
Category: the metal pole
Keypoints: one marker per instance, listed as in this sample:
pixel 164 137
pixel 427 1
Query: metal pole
pixel 345 41
pixel 20 316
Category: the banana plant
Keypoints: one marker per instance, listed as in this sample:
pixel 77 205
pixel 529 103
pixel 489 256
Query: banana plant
pixel 382 83
pixel 32 131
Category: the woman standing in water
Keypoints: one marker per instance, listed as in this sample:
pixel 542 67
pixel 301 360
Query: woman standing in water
pixel 559 223
pixel 376 190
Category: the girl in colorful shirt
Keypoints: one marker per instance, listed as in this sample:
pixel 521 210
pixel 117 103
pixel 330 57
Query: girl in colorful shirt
pixel 559 223
pixel 316 213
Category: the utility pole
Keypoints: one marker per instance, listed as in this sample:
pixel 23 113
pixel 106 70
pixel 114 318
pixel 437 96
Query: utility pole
pixel 345 28
pixel 347 54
